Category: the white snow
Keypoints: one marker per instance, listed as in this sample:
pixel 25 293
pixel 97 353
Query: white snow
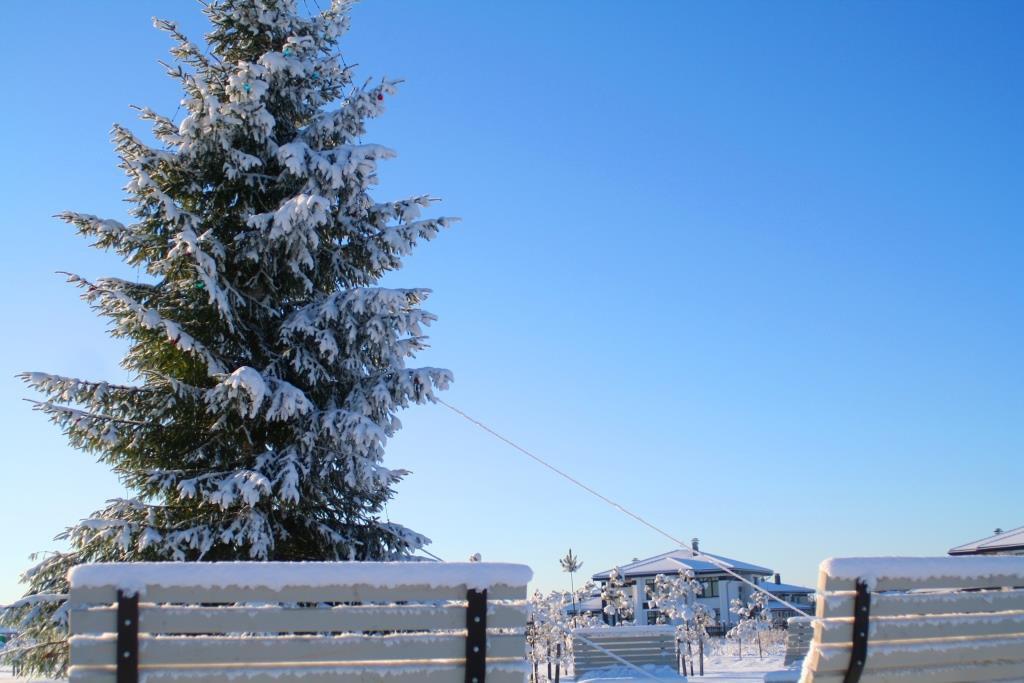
pixel 722 669
pixel 7 677
pixel 871 569
pixel 278 575
pixel 624 673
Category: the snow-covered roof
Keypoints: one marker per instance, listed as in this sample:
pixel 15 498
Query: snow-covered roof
pixel 682 559
pixel 1006 541
pixel 773 587
pixel 593 604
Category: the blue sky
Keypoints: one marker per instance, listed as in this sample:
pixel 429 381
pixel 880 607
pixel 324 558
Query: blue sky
pixel 754 269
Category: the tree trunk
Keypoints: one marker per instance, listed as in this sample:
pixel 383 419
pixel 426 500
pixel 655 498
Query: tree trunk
pixel 700 652
pixel 689 655
pixel 549 661
pixel 558 662
pixel 572 592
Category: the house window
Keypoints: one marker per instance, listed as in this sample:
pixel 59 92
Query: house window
pixel 652 617
pixel 710 587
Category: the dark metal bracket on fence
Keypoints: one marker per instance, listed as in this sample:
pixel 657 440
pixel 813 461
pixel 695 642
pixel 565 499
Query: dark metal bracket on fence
pixel 476 636
pixel 127 638
pixel 861 613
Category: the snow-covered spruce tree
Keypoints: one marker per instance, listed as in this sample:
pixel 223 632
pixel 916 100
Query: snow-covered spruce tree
pixel 269 365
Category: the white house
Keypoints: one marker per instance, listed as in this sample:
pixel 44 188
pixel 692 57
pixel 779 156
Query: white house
pixel 1000 543
pixel 719 587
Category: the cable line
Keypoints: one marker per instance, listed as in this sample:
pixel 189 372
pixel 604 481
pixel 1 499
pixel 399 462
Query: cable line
pixel 696 553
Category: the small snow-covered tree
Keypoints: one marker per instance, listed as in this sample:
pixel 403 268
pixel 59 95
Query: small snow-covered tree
pixel 269 365
pixel 618 606
pixel 583 594
pixel 571 564
pixel 753 620
pixel 675 597
pixel 549 632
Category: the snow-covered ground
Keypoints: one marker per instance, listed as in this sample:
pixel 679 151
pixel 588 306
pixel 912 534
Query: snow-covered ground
pixel 721 669
pixel 728 668
pixel 6 677
pixel 718 669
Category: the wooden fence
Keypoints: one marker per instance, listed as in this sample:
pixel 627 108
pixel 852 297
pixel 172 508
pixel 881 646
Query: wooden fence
pixel 638 645
pixel 277 622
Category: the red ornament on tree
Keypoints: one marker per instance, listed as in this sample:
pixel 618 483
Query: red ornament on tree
pixel 380 96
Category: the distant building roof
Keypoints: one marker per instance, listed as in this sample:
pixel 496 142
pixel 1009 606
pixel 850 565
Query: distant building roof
pixel 682 559
pixel 592 604
pixel 1003 542
pixel 773 587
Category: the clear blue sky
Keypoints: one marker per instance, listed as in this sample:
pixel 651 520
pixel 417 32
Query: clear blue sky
pixel 753 268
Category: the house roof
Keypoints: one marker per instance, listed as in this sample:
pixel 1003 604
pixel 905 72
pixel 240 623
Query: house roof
pixel 1001 542
pixel 592 604
pixel 773 587
pixel 682 559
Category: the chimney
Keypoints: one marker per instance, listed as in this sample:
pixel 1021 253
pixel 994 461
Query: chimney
pixel 778 578
pixel 695 544
pixel 998 531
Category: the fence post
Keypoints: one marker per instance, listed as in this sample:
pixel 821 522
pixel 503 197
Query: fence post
pixel 127 638
pixel 476 636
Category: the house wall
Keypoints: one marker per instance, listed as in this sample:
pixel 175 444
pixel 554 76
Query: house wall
pixel 728 590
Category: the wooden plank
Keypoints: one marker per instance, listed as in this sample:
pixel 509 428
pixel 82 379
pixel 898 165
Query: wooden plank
pixel 896 655
pixel 610 642
pixel 298 673
pixel 360 593
pixel 625 654
pixel 988 671
pixel 276 619
pixel 946 602
pixel 613 639
pixel 907 573
pixel 626 644
pixel 593 665
pixel 918 627
pixel 589 660
pixel 168 650
pixel 622 633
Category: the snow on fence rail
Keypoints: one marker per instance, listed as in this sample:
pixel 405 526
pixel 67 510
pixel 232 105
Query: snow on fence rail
pixel 949 619
pixel 278 621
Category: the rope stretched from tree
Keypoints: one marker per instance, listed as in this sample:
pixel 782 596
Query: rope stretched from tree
pixel 696 553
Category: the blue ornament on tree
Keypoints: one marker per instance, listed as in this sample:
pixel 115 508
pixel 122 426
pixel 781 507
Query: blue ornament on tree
pixel 316 75
pixel 246 87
